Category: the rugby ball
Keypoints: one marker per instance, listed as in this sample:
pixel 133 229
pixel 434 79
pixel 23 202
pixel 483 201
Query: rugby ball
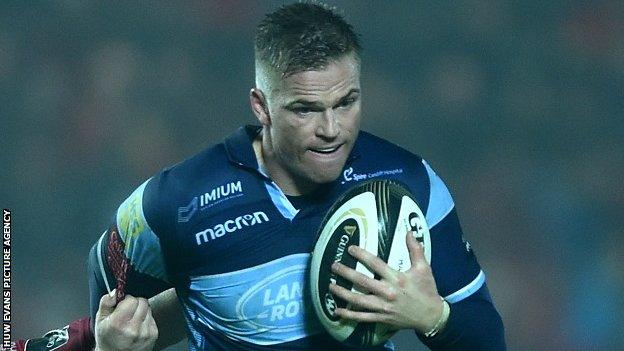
pixel 376 216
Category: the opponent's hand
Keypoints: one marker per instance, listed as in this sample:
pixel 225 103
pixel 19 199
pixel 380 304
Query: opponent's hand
pixel 126 326
pixel 408 300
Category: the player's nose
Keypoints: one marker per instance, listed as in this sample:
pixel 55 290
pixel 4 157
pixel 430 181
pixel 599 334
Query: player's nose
pixel 328 125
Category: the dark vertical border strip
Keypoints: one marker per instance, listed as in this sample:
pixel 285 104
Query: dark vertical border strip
pixel 6 279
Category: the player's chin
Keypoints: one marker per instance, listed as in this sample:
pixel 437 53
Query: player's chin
pixel 327 174
pixel 326 178
pixel 325 168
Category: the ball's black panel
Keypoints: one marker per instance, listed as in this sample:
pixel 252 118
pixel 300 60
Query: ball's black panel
pixel 349 233
pixel 362 336
pixel 382 195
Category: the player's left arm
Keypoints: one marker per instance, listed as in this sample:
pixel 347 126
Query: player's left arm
pixel 76 336
pixel 473 323
pixel 449 301
pixel 410 300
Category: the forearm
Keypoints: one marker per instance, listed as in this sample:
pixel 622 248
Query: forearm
pixel 169 319
pixel 168 316
pixel 473 324
pixel 76 336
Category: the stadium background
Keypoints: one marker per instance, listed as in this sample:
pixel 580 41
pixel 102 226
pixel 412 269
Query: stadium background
pixel 518 105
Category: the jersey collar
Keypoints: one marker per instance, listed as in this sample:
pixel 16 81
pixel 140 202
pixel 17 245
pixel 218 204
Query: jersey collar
pixel 239 149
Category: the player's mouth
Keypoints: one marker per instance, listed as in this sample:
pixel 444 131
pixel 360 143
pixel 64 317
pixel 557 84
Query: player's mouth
pixel 326 150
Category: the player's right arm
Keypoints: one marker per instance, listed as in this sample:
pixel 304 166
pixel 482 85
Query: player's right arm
pixel 124 326
pixel 132 323
pixel 129 257
pixel 117 327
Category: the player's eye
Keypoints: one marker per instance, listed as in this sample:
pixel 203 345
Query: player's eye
pixel 302 110
pixel 305 111
pixel 346 102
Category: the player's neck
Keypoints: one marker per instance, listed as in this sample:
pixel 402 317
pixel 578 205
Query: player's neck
pixel 288 183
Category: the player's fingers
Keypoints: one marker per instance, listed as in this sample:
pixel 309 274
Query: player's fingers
pixel 141 311
pixel 126 308
pixel 416 251
pixel 366 283
pixel 149 318
pixel 148 326
pixel 361 316
pixel 362 301
pixel 107 304
pixel 372 262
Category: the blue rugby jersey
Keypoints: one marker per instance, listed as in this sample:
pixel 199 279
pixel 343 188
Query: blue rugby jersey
pixel 236 249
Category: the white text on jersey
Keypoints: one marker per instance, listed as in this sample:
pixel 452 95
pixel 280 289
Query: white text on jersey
pixel 231 226
pixel 220 191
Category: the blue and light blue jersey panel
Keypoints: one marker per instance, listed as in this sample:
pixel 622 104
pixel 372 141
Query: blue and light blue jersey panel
pixel 146 275
pixel 262 307
pixel 456 262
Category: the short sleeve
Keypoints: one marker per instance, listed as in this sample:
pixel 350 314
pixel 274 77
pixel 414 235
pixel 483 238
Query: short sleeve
pixel 141 245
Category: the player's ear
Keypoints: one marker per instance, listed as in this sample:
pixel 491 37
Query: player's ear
pixel 259 106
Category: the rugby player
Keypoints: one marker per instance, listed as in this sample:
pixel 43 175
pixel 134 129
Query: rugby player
pixel 231 228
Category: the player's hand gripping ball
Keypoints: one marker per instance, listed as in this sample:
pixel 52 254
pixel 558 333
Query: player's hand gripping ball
pixel 376 216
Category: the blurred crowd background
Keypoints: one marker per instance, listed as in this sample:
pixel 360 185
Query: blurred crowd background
pixel 519 106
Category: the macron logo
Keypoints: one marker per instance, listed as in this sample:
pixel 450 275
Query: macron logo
pixel 231 226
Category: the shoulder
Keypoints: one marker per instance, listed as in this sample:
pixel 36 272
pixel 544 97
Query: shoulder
pixel 382 158
pixel 209 162
pixel 372 145
pixel 378 151
pixel 160 198
pixel 210 166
